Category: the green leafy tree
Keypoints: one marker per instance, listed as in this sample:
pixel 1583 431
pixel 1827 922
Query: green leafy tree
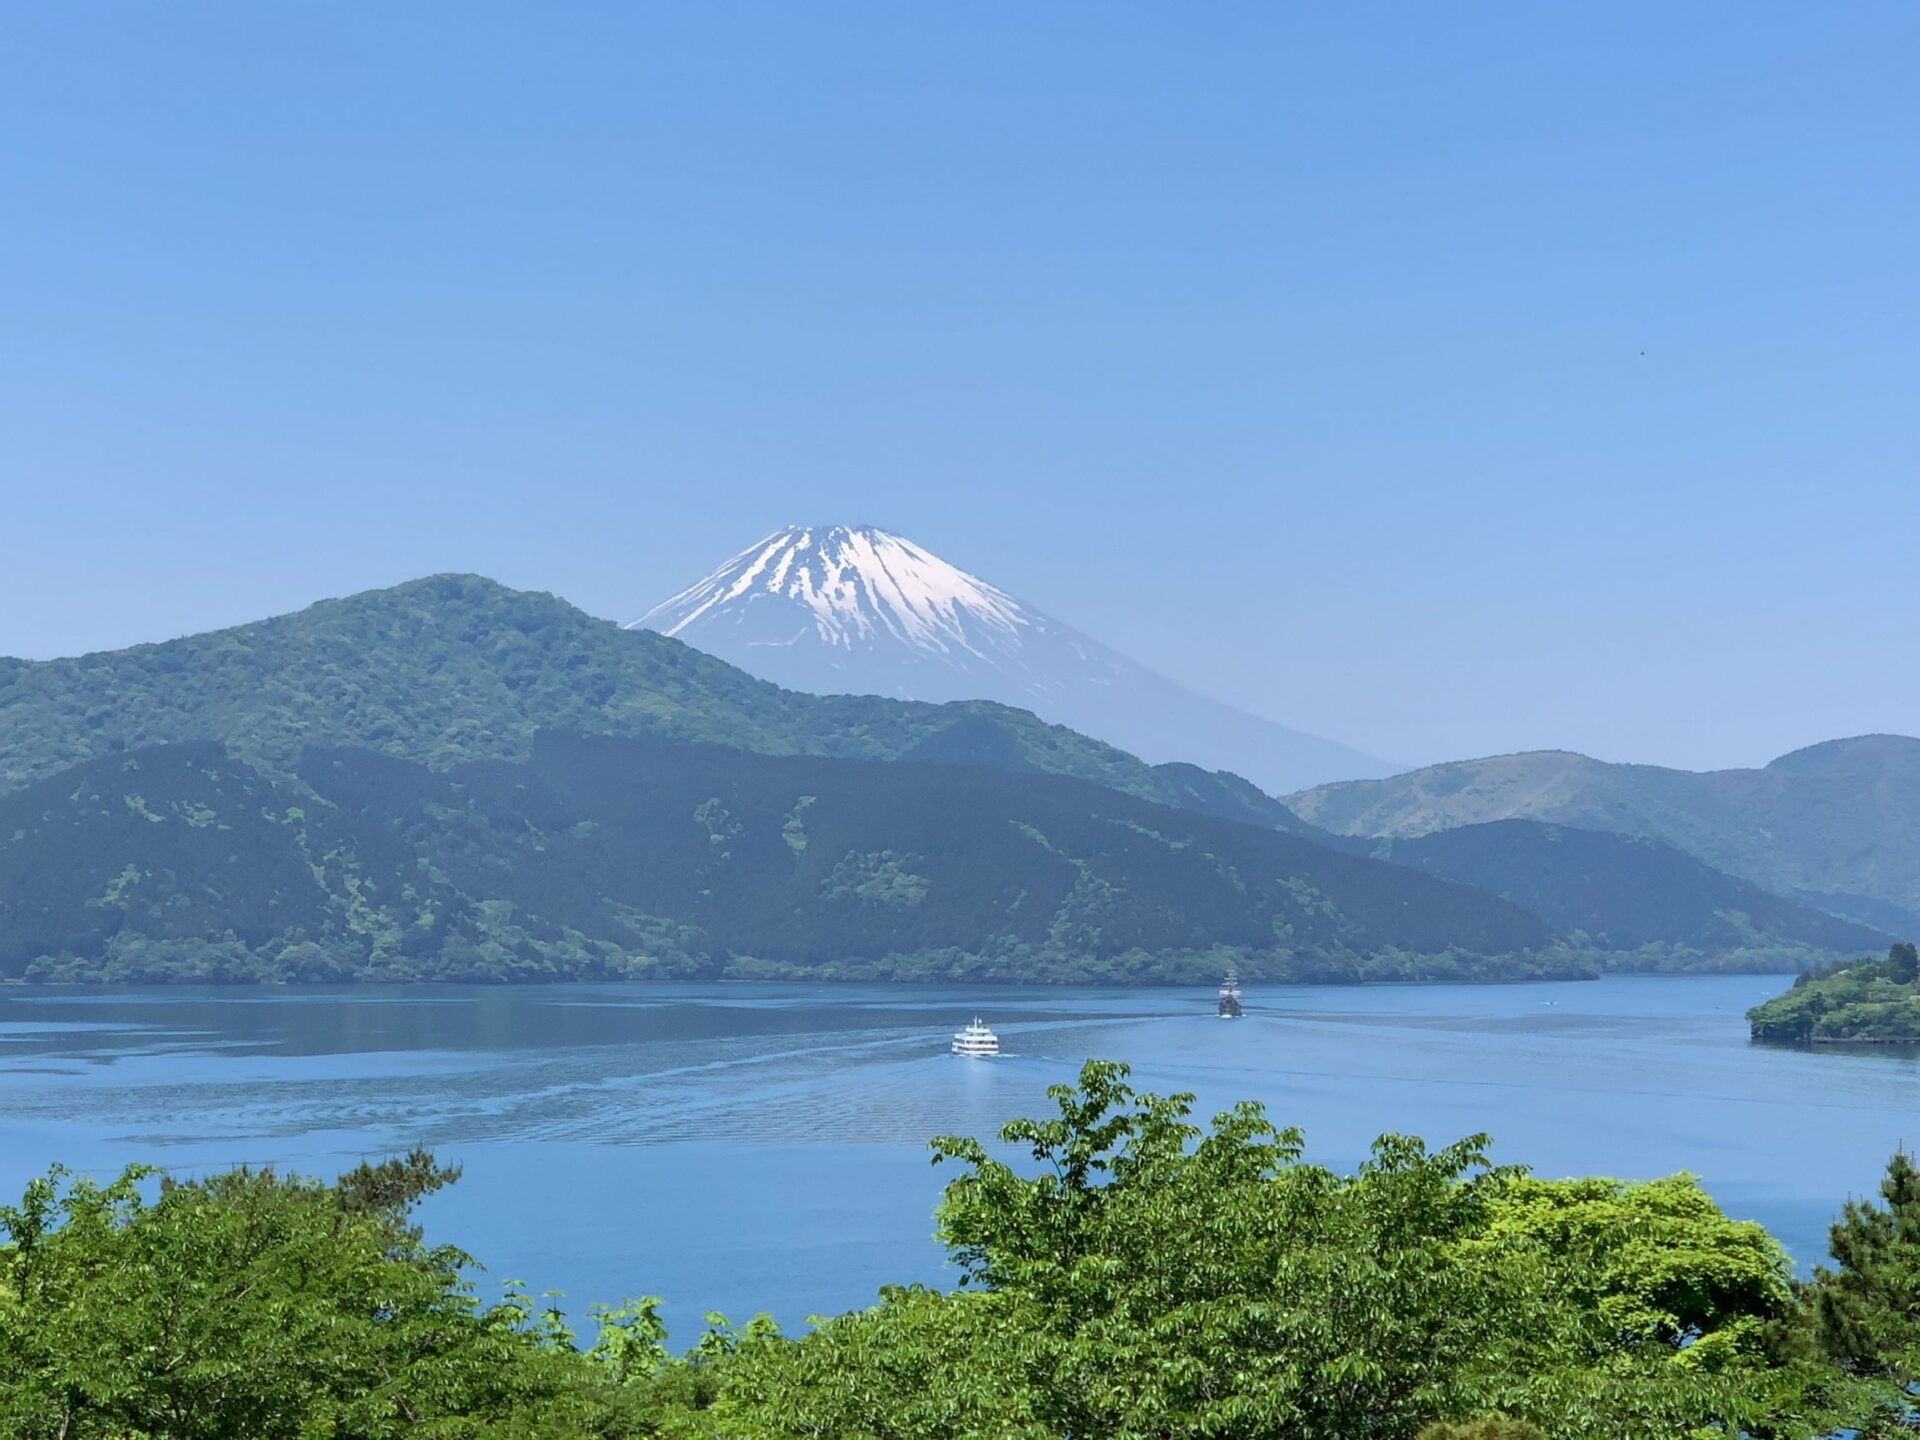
pixel 921 1365
pixel 252 1306
pixel 1493 1428
pixel 1655 1263
pixel 1142 1277
pixel 1219 1278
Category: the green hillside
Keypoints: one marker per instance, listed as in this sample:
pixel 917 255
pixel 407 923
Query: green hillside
pixel 611 857
pixel 1834 825
pixel 456 668
pixel 1647 905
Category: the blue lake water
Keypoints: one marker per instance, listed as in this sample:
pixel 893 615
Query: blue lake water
pixel 764 1148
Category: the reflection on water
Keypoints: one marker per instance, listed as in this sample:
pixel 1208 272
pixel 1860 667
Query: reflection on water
pixel 764 1147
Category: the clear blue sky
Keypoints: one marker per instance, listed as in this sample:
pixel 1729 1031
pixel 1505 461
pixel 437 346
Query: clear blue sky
pixel 1447 379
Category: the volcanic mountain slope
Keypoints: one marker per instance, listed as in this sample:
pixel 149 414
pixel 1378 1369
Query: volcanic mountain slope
pixel 1835 825
pixel 835 610
pixel 598 857
pixel 455 668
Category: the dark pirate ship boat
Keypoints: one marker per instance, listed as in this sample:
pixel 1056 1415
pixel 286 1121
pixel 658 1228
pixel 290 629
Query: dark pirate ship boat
pixel 1230 997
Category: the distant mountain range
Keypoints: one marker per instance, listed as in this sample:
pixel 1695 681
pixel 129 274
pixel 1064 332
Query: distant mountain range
pixel 859 610
pixel 1835 825
pixel 1640 902
pixel 454 779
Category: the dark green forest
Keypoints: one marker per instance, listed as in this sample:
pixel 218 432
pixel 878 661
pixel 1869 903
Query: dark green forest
pixel 1134 1275
pixel 1864 1002
pixel 600 857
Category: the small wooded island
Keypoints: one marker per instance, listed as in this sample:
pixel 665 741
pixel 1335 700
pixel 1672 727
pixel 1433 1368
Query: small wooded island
pixel 1867 1002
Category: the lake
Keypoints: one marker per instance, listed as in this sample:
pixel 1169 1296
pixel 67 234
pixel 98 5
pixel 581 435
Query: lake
pixel 749 1148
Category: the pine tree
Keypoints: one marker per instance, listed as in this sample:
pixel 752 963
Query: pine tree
pixel 1903 963
pixel 1868 1309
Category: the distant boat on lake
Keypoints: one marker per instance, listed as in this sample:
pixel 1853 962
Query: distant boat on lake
pixel 976 1039
pixel 1230 997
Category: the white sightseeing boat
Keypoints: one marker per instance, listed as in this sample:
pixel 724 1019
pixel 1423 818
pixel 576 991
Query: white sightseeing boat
pixel 976 1039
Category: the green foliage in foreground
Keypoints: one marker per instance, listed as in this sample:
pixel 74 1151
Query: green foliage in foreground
pixel 1144 1277
pixel 1495 1428
pixel 1133 1277
pixel 253 1305
pixel 1865 1002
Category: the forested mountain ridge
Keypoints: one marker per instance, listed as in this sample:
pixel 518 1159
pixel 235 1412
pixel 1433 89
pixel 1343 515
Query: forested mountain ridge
pixel 457 668
pixel 455 671
pixel 1642 903
pixel 629 858
pixel 1835 825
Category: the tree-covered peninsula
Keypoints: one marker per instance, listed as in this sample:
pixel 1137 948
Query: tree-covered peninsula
pixel 1867 1002
pixel 1135 1276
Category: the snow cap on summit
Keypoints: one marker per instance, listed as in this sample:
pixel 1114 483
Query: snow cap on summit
pixel 839 610
pixel 858 584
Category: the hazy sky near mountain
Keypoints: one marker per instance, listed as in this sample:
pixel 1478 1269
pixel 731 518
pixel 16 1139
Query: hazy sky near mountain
pixel 1443 379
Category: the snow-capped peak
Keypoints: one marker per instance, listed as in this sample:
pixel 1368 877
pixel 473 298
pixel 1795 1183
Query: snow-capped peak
pixel 841 610
pixel 856 586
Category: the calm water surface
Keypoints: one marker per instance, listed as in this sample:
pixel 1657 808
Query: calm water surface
pixel 746 1148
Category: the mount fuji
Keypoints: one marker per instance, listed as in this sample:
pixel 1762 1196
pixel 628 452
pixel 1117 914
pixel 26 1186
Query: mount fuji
pixel 841 609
